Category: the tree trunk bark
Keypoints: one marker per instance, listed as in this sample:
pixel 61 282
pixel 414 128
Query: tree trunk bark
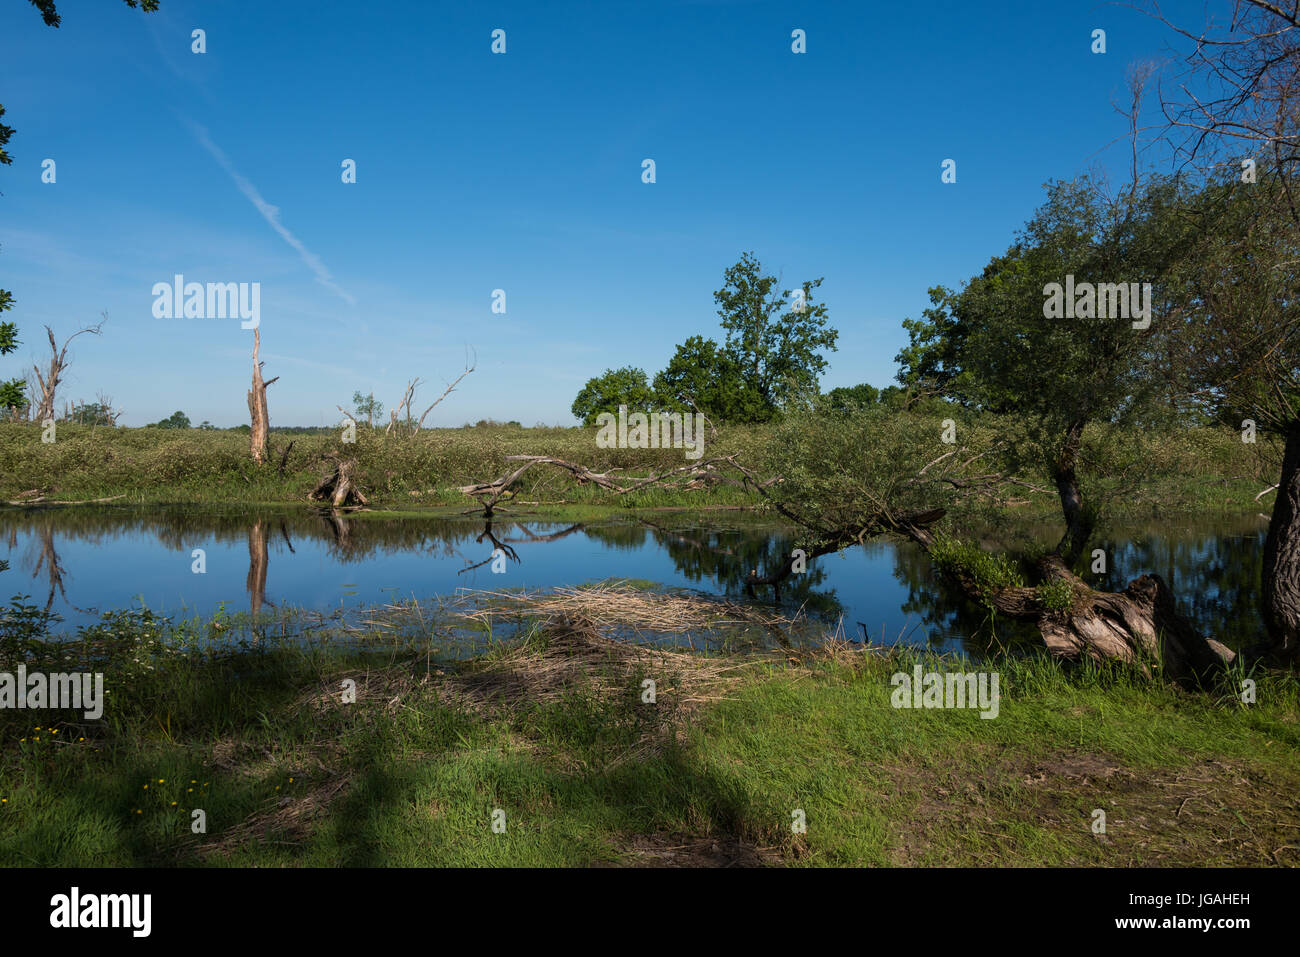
pixel 259 417
pixel 1281 575
pixel 338 488
pixel 1078 524
pixel 1139 626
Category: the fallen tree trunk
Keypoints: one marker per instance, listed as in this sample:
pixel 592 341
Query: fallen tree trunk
pixel 42 500
pixel 1140 626
pixel 490 493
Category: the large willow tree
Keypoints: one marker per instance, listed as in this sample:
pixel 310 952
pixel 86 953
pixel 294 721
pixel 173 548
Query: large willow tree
pixel 989 346
pixel 1234 113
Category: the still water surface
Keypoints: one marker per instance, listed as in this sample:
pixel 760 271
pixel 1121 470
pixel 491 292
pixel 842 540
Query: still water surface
pixel 81 562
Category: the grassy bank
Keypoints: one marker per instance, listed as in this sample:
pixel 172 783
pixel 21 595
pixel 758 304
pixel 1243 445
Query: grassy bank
pixel 553 731
pixel 424 470
pixel 1204 469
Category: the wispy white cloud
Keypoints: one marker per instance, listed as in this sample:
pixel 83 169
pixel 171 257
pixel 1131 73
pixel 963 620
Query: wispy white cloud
pixel 270 213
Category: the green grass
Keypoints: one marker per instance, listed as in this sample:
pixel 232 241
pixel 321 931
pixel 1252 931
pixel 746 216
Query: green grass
pixel 170 466
pixel 586 773
pixel 1204 469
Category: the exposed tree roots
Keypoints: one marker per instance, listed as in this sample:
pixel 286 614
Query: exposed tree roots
pixel 338 488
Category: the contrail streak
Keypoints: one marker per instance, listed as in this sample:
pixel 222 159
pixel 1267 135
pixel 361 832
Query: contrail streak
pixel 270 213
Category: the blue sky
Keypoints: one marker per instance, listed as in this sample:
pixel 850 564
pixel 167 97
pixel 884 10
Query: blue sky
pixel 520 172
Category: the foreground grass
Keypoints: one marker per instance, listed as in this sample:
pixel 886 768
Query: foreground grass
pixel 553 733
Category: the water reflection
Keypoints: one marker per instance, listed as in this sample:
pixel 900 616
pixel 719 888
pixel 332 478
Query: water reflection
pixel 79 562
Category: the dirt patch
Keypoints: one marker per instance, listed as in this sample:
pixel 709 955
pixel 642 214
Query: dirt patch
pixel 1079 768
pixel 1213 812
pixel 679 850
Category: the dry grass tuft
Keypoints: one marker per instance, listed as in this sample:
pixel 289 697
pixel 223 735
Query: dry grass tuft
pixel 289 821
pixel 575 657
pixel 616 605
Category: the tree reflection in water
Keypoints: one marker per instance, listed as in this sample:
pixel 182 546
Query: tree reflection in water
pixel 1212 565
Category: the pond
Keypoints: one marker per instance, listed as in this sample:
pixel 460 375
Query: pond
pixel 192 561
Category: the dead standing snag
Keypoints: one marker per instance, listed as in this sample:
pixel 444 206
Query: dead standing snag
pixel 50 380
pixel 260 418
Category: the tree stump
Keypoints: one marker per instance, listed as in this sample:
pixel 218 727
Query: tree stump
pixel 338 488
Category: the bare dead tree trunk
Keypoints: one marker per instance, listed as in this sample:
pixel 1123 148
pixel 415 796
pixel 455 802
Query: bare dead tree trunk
pixel 106 406
pixel 1137 77
pixel 338 525
pixel 284 457
pixel 398 420
pixel 407 396
pixel 49 382
pixel 451 387
pixel 257 412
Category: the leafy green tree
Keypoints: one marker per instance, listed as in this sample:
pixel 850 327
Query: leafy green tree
pixel 769 363
pixel 368 406
pixel 626 386
pixel 991 347
pixel 1242 345
pixel 52 19
pixel 1240 99
pixel 931 362
pixel 702 377
pixel 774 336
pixel 5 133
pixel 177 420
pixel 12 393
pixel 846 400
pixel 91 413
